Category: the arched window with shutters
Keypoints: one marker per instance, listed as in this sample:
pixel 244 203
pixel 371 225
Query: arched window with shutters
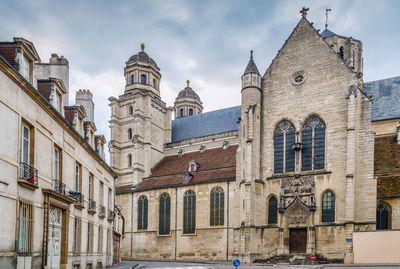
pixel 383 216
pixel 164 214
pixel 313 146
pixel 142 213
pixel 272 210
pixel 129 133
pixel 328 207
pixel 284 155
pixel 143 79
pixel 217 206
pixel 189 212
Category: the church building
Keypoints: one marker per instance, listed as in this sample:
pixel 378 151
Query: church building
pixel 289 171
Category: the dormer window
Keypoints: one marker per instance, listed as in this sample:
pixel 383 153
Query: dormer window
pixel 26 70
pixel 57 101
pixel 193 166
pixel 143 79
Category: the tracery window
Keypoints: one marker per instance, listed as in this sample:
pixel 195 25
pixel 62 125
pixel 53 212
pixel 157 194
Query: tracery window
pixel 272 210
pixel 284 155
pixel 328 207
pixel 143 79
pixel 164 214
pixel 313 147
pixel 217 206
pixel 383 216
pixel 142 212
pixel 189 212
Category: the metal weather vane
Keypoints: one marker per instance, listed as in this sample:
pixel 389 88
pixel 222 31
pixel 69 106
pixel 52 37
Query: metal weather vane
pixel 327 10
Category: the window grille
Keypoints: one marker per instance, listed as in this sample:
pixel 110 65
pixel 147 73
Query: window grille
pixel 25 228
pixel 165 214
pixel 189 212
pixel 217 206
pixel 313 147
pixel 272 210
pixel 328 207
pixel 142 212
pixel 383 216
pixel 284 155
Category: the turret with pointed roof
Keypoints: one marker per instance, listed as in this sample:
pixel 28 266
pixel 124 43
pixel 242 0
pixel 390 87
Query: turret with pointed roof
pixel 251 77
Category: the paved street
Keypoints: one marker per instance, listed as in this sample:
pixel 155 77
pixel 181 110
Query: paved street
pixel 228 265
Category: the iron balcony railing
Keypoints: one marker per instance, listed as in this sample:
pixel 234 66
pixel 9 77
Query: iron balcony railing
pixel 78 197
pixel 28 174
pixel 102 211
pixel 59 187
pixel 110 215
pixel 92 206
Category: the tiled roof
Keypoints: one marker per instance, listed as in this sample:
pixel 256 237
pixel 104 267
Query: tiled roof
pixel 386 96
pixel 387 166
pixel 214 122
pixel 214 164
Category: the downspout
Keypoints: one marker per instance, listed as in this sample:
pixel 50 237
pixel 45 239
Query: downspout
pixel 132 225
pixel 176 217
pixel 227 221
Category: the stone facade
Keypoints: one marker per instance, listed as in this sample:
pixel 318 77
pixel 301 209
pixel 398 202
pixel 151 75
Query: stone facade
pixel 310 80
pixel 56 190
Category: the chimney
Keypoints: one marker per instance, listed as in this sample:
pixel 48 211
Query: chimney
pixel 85 98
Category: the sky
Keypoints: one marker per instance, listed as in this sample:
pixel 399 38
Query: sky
pixel 207 42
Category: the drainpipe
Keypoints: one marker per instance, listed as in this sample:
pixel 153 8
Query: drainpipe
pixel 227 221
pixel 176 217
pixel 132 225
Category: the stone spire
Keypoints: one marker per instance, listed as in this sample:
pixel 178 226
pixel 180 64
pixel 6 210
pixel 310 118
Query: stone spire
pixel 251 66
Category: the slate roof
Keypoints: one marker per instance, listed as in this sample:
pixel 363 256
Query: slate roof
pixel 214 164
pixel 214 122
pixel 251 67
pixel 144 58
pixel 327 33
pixel 188 93
pixel 387 166
pixel 386 98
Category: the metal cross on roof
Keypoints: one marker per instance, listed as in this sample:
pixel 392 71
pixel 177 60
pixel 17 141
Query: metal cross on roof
pixel 326 14
pixel 303 11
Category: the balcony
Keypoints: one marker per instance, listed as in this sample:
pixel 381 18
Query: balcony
pixel 79 199
pixel 102 211
pixel 110 215
pixel 28 176
pixel 92 206
pixel 59 187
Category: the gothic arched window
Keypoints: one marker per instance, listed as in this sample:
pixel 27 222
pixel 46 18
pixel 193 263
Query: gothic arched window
pixel 189 212
pixel 129 133
pixel 190 112
pixel 129 160
pixel 383 216
pixel 143 79
pixel 272 210
pixel 132 79
pixel 341 52
pixel 328 207
pixel 313 148
pixel 284 155
pixel 217 206
pixel 142 212
pixel 164 214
